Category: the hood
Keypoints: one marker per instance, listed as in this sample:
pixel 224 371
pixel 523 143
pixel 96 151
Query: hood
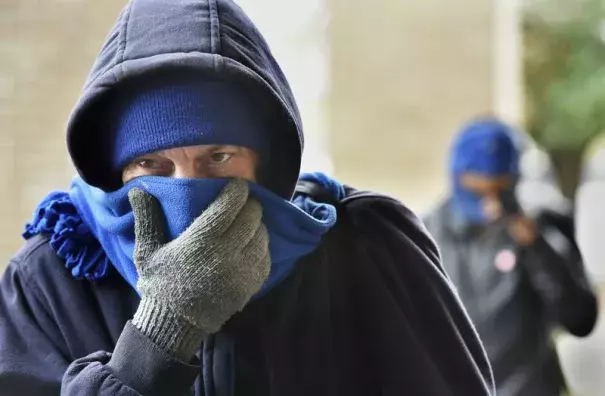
pixel 210 38
pixel 488 147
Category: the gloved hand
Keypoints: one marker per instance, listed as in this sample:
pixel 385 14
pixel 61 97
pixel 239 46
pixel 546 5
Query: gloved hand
pixel 192 285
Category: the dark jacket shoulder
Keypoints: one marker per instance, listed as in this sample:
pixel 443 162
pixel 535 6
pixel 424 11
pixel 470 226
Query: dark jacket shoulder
pixel 399 270
pixel 37 263
pixel 370 211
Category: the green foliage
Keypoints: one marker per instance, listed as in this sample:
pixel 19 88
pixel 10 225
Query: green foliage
pixel 565 72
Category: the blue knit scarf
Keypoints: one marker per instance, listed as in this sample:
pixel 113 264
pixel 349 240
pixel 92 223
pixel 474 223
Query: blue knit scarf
pixel 91 229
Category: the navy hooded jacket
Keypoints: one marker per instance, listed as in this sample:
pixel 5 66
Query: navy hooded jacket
pixel 370 312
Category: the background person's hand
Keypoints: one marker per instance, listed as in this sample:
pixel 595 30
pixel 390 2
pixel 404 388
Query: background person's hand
pixel 192 285
pixel 523 230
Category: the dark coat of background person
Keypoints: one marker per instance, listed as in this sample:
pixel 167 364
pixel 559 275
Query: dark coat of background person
pixel 369 313
pixel 515 312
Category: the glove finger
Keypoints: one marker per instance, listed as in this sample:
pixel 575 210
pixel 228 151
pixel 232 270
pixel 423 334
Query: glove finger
pixel 256 260
pixel 221 213
pixel 246 272
pixel 149 224
pixel 245 225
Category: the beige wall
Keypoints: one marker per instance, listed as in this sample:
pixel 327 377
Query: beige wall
pixel 405 74
pixel 46 49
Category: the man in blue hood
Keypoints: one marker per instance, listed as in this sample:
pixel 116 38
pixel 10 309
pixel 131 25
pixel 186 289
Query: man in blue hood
pixel 189 257
pixel 518 277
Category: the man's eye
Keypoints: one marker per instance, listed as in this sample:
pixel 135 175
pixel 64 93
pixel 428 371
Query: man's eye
pixel 219 158
pixel 148 163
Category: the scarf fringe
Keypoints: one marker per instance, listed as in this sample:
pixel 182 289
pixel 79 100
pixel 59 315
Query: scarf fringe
pixel 70 237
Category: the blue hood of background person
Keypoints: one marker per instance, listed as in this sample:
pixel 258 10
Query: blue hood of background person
pixel 487 147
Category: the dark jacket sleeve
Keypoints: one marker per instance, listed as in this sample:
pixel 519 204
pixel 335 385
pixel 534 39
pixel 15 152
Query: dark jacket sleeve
pixel 35 358
pixel 418 302
pixel 556 272
pixel 136 367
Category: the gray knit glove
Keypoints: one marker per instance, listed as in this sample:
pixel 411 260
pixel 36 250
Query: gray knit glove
pixel 192 285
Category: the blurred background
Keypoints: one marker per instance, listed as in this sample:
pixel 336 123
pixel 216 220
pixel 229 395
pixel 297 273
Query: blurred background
pixel 382 86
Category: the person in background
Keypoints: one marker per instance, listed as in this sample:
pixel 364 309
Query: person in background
pixel 519 278
pixel 189 257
